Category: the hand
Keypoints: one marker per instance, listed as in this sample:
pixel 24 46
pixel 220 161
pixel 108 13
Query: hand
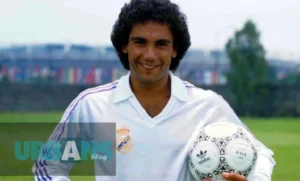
pixel 231 177
pixel 234 177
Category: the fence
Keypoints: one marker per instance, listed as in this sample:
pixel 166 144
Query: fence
pixel 281 100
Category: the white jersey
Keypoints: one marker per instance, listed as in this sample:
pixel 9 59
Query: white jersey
pixel 158 146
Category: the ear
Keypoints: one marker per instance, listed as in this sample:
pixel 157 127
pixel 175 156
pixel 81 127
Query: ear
pixel 125 49
pixel 174 54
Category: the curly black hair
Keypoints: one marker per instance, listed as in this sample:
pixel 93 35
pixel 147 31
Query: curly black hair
pixel 141 11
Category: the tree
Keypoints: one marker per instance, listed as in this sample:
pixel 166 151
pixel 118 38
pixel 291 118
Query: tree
pixel 248 67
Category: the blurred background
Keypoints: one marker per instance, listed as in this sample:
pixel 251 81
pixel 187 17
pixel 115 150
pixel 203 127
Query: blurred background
pixel 248 51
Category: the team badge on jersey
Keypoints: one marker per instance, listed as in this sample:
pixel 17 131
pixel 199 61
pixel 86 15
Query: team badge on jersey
pixel 124 143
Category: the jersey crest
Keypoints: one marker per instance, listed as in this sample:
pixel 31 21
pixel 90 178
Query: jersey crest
pixel 124 143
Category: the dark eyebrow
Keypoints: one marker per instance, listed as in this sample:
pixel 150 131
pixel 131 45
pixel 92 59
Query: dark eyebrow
pixel 165 41
pixel 135 38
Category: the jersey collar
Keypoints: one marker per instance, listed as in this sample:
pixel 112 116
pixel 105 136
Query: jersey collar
pixel 123 90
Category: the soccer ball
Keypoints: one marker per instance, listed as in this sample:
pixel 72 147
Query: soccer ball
pixel 221 147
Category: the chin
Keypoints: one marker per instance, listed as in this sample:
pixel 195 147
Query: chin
pixel 147 80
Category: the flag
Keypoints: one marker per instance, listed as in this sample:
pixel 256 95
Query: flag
pixel 90 77
pixel 45 72
pixel 105 76
pixel 114 74
pixel 19 74
pixel 199 77
pixel 65 75
pixel 223 79
pixel 214 77
pixel 98 76
pixel 207 77
pixel 53 72
pixel 281 75
pixel 60 75
pixel 36 72
pixel 4 71
pixel 11 73
pixel 71 75
pixel 78 75
pixel 85 72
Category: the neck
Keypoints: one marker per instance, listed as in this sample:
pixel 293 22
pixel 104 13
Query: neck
pixel 161 87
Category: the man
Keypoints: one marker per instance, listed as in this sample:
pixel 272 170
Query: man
pixel 158 112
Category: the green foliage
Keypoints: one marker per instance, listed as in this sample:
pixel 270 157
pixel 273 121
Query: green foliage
pixel 248 67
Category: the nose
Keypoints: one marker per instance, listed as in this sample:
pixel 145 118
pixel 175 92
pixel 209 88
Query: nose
pixel 150 54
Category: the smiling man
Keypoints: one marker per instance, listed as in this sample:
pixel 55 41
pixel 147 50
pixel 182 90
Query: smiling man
pixel 150 51
pixel 156 113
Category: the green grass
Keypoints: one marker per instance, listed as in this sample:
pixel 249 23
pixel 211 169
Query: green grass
pixel 282 135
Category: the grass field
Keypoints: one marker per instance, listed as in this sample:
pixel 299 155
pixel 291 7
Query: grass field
pixel 282 135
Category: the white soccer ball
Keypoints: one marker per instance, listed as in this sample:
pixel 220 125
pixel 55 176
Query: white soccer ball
pixel 222 147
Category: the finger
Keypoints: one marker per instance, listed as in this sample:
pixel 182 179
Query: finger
pixel 234 177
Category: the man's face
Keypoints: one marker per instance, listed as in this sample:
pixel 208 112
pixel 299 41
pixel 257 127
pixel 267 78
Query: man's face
pixel 150 50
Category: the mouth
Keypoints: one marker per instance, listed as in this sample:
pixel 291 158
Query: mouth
pixel 148 67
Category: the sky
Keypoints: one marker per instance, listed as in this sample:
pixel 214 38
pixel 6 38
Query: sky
pixel 211 23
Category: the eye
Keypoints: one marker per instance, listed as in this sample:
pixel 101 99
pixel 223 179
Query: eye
pixel 162 44
pixel 139 42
